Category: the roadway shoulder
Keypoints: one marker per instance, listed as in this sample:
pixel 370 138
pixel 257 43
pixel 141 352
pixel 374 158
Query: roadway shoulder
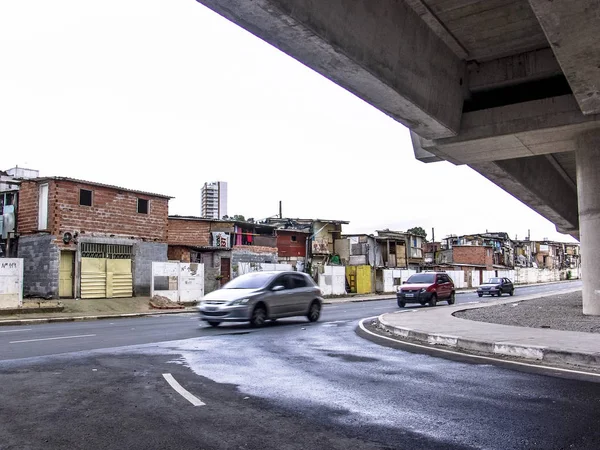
pixel 438 327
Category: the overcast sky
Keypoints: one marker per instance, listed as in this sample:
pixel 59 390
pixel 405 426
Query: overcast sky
pixel 163 95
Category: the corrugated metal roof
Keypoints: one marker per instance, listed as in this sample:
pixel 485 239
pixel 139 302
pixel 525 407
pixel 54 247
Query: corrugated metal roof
pixel 200 219
pixel 93 183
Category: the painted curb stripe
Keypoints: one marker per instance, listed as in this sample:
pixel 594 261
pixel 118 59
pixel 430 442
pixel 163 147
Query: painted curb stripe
pixel 469 355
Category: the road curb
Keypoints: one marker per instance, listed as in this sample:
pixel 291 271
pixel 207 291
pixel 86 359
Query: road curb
pixel 13 322
pixel 534 353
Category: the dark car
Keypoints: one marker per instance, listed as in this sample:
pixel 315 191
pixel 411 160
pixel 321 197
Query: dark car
pixel 496 286
pixel 426 287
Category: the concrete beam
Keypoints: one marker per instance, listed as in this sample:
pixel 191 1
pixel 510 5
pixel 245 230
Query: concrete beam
pixel 380 51
pixel 536 182
pixel 512 70
pixel 572 28
pixel 525 129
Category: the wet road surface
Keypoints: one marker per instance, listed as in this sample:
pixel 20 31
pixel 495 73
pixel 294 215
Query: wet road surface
pixel 291 385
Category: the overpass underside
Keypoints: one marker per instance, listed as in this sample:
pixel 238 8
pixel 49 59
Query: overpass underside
pixel 510 88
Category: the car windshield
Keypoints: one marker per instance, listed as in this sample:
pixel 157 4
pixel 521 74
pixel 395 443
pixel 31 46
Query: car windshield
pixel 249 281
pixel 494 281
pixel 421 278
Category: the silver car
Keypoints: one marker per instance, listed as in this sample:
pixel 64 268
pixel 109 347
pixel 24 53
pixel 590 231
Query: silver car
pixel 259 296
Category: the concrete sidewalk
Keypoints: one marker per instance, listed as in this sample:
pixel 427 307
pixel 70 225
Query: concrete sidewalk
pixel 438 327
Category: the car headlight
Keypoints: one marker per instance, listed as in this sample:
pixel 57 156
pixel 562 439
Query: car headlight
pixel 423 290
pixel 241 301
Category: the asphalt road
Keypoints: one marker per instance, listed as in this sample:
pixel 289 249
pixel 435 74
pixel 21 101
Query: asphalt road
pixel 290 385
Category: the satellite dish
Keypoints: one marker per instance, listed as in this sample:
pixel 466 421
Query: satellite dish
pixel 67 237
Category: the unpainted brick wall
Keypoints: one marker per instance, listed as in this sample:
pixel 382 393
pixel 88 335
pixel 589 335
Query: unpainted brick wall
pixel 179 253
pixel 189 232
pixel 41 262
pixel 472 254
pixel 113 211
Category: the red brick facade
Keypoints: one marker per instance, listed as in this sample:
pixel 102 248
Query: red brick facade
pixel 473 254
pixel 114 212
pixel 291 243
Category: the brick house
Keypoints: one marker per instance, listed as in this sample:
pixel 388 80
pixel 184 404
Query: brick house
pixel 292 247
pixel 89 240
pixel 201 240
pixel 221 245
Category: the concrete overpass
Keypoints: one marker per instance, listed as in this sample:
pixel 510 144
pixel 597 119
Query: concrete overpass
pixel 509 87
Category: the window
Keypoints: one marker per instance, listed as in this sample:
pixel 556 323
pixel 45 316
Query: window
pixel 299 281
pixel 43 207
pixel 294 238
pixel 85 197
pixel 142 206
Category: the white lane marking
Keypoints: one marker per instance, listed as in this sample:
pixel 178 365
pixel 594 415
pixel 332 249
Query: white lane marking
pixel 52 338
pixel 181 391
pixel 485 358
pixel 15 331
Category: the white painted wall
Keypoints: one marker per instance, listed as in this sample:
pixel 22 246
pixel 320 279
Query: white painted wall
pixel 189 276
pixel 389 275
pixel 333 280
pixel 247 267
pixel 11 282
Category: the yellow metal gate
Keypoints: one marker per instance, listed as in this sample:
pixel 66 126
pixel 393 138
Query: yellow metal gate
pixel 106 271
pixel 93 277
pixel 360 279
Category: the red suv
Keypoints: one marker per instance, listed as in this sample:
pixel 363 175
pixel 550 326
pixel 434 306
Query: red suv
pixel 426 287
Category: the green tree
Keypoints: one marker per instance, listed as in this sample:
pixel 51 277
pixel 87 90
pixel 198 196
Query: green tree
pixel 419 231
pixel 239 218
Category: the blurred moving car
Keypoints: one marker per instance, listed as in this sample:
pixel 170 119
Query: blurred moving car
pixel 426 287
pixel 496 286
pixel 260 296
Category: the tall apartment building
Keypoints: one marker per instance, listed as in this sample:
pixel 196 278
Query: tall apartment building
pixel 214 200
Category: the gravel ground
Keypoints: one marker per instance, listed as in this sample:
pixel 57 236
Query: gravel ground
pixel 558 312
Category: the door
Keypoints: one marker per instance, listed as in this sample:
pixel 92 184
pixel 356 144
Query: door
pixel 225 270
pixel 280 302
pixel 93 277
pixel 65 282
pixel 106 278
pixel 119 280
pixel 444 287
pixel 302 295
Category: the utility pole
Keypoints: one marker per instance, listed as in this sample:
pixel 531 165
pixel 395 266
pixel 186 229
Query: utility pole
pixel 280 210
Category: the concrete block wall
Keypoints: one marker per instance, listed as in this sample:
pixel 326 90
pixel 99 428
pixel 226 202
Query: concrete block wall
pixel 144 253
pixel 253 254
pixel 41 262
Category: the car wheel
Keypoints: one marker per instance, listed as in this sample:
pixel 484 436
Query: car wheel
pixel 214 323
pixel 500 293
pixel 452 299
pixel 479 295
pixel 401 303
pixel 314 312
pixel 512 292
pixel 433 300
pixel 259 316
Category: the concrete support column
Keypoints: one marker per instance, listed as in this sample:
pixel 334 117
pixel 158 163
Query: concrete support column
pixel 588 193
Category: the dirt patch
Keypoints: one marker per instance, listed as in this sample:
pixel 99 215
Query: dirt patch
pixel 160 302
pixel 557 312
